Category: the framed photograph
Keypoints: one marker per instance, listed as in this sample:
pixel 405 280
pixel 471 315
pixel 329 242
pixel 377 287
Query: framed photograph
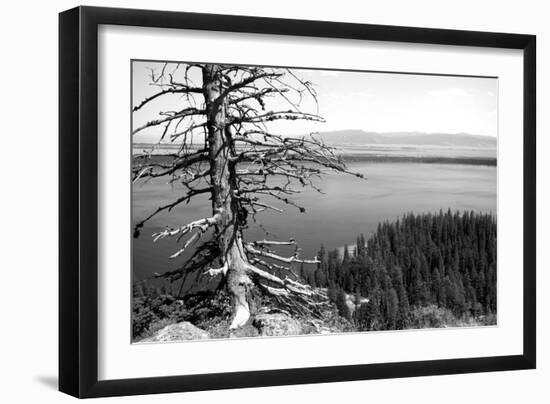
pixel 251 201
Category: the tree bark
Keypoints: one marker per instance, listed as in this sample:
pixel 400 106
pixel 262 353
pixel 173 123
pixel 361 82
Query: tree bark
pixel 224 203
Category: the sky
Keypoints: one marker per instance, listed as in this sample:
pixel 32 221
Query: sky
pixel 375 102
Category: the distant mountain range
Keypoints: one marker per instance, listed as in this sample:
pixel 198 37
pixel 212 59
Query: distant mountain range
pixel 362 138
pixel 356 138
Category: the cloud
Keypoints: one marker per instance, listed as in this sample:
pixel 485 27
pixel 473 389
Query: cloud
pixel 329 73
pixel 451 92
pixel 350 96
pixel 363 94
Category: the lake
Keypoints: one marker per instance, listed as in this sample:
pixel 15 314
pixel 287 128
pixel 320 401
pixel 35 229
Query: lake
pixel 348 207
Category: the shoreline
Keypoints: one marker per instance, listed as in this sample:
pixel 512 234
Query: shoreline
pixel 474 161
pixel 385 158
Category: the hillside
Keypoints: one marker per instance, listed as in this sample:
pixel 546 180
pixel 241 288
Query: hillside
pixel 421 271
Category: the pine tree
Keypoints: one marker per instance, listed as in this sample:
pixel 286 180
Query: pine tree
pixel 342 305
pixel 447 260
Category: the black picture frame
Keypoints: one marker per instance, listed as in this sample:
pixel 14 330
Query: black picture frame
pixel 78 201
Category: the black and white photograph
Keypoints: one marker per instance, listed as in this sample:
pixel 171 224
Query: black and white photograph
pixel 273 202
pixel 280 201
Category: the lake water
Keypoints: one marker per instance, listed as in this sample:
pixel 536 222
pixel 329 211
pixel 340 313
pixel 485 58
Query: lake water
pixel 348 207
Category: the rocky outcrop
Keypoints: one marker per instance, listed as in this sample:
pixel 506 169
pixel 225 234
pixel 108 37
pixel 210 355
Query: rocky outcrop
pixel 276 324
pixel 209 317
pixel 178 332
pixel 246 331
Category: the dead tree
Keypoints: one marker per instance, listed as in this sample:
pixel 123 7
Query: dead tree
pixel 245 168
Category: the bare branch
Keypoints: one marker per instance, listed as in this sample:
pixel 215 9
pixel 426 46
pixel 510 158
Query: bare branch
pixel 203 224
pixel 288 260
pixel 180 90
pixel 255 95
pixel 249 80
pixel 178 115
pixel 181 162
pixel 270 242
pixel 217 271
pixel 278 115
pixel 170 206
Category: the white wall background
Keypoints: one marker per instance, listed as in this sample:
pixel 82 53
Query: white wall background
pixel 28 295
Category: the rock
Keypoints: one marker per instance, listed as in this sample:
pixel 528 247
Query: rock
pixel 276 324
pixel 178 332
pixel 319 327
pixel 246 331
pixel 337 324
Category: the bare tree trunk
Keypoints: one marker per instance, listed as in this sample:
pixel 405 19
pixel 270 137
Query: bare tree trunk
pixel 223 177
pixel 237 133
